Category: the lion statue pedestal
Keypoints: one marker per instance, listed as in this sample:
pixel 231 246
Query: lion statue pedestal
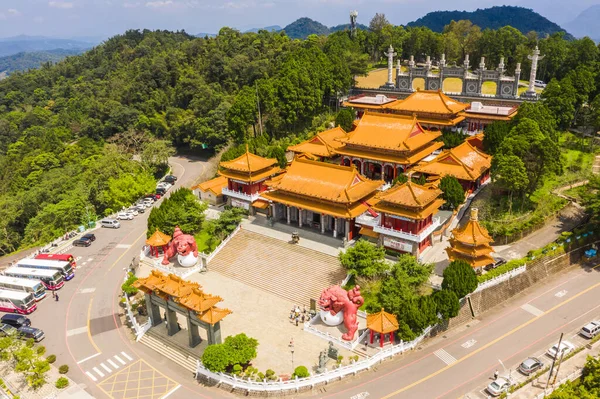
pixel 184 246
pixel 336 303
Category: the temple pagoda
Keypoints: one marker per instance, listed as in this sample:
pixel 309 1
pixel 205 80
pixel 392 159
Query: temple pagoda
pixel 432 108
pixel 158 240
pixel 406 216
pixel 471 243
pixel 385 145
pixel 322 146
pixel 321 195
pixel 246 176
pixel 384 324
pixel 465 162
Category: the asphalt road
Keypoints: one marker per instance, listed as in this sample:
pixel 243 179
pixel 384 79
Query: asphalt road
pixel 83 330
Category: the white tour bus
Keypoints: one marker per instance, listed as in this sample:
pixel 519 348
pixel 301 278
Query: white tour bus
pixel 17 302
pixel 34 287
pixel 63 267
pixel 52 279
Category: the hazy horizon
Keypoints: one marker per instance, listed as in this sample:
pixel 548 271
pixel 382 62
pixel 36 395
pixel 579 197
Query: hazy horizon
pixel 104 18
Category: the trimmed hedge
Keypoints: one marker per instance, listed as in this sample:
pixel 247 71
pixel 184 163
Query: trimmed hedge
pixel 64 369
pixel 61 383
pixel 505 268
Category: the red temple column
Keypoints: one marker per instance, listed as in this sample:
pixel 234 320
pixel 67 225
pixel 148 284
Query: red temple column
pixel 392 338
pixel 372 336
pixel 381 338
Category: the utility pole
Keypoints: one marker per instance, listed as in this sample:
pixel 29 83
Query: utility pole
pixel 553 361
pixel 562 353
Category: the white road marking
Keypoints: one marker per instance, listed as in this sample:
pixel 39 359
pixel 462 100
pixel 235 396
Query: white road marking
pixel 171 391
pixel 360 395
pixel 127 356
pixel 90 259
pixel 112 363
pixel 560 294
pixel 532 309
pixel 100 373
pixel 77 259
pixel 123 246
pixel 89 357
pixel 119 359
pixel 87 290
pixel 105 367
pixel 91 376
pixel 469 343
pixel 445 356
pixel 76 331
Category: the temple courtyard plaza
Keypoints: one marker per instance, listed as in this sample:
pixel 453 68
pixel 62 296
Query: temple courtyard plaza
pixel 260 279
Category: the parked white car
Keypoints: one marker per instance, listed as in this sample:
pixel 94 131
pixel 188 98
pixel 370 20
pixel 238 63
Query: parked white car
pixel 133 211
pixel 148 202
pixel 555 351
pixel 164 185
pixel 125 216
pixel 501 384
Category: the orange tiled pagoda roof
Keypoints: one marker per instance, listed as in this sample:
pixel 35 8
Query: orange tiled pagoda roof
pixel 322 187
pixel 176 287
pixel 158 239
pixel 464 162
pixel 249 167
pixel 199 301
pixel 471 243
pixel 382 322
pixel 323 144
pixel 214 315
pixel 410 200
pixel 148 284
pixel 428 102
pixel 215 185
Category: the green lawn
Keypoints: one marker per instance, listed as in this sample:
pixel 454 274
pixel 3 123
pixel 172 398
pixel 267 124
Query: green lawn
pixel 202 239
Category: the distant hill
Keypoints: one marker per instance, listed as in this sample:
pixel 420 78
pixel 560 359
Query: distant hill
pixel 201 34
pixel 33 60
pixel 520 18
pixel 301 28
pixel 347 27
pixel 586 24
pixel 21 44
pixel 272 28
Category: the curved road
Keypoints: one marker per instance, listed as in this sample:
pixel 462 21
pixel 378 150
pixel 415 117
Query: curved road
pixel 84 331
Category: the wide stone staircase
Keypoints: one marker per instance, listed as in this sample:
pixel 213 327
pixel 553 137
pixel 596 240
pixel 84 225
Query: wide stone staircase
pixel 292 272
pixel 178 354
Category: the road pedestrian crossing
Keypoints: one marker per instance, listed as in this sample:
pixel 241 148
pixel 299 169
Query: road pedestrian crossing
pixel 107 366
pixel 445 356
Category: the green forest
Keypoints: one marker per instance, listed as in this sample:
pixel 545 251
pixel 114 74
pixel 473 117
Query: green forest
pixel 68 132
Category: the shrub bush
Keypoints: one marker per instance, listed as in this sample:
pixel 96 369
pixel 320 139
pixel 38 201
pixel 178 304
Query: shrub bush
pixel 237 369
pixel 301 372
pixel 505 268
pixel 64 369
pixel 270 374
pixel 62 382
pixel 51 359
pixel 127 286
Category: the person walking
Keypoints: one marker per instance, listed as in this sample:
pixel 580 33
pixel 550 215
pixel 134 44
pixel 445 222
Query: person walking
pixel 53 294
pixel 297 320
pixel 496 375
pixel 56 297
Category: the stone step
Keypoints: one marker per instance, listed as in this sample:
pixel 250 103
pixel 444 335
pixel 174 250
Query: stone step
pixel 169 352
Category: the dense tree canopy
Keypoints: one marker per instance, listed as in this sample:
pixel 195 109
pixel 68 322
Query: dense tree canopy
pixel 460 278
pixel 364 259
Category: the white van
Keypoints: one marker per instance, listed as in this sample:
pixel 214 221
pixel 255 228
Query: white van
pixel 539 83
pixel 591 329
pixel 110 223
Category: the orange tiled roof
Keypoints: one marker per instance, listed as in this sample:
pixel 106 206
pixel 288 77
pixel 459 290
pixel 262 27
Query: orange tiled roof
pixel 214 315
pixel 250 177
pixel 411 213
pixel 477 261
pixel 214 185
pixel 401 158
pixel 410 194
pixel 431 102
pixel 324 181
pixel 464 162
pixel 248 163
pixel 149 283
pixel 389 132
pixel 176 287
pixel 472 233
pixel 322 144
pixel 382 322
pixel 199 301
pixel 158 239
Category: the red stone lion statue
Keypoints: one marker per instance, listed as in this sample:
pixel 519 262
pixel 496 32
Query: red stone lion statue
pixel 335 299
pixel 182 244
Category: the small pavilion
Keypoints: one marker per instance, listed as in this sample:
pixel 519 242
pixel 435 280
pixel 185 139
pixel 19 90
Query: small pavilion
pixel 322 145
pixel 157 240
pixel 175 296
pixel 471 243
pixel 382 323
pixel 433 109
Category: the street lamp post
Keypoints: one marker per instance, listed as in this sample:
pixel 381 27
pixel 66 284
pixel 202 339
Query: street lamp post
pixel 292 350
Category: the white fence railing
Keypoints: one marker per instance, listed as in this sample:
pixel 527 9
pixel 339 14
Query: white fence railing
pixel 503 277
pixel 140 329
pixel 349 345
pixel 327 376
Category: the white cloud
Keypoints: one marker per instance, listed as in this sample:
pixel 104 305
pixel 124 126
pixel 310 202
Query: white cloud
pixel 14 12
pixel 159 3
pixel 60 4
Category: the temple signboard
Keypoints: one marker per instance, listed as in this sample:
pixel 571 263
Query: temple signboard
pixel 397 245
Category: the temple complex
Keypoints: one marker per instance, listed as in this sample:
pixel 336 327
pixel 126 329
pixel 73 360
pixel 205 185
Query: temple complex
pixel 385 145
pixel 479 116
pixel 176 296
pixel 433 109
pixel 406 219
pixel 465 162
pixel 471 243
pixel 321 195
pixel 322 145
pixel 211 191
pixel 246 176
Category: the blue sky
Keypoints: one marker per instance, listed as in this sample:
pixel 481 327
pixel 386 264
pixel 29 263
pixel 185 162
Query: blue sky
pixel 74 18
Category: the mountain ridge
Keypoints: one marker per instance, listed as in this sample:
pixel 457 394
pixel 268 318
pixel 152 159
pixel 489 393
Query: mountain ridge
pixel 586 23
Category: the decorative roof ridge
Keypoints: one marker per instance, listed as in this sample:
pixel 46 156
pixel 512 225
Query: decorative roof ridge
pixel 409 184
pixel 327 164
pixel 444 98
